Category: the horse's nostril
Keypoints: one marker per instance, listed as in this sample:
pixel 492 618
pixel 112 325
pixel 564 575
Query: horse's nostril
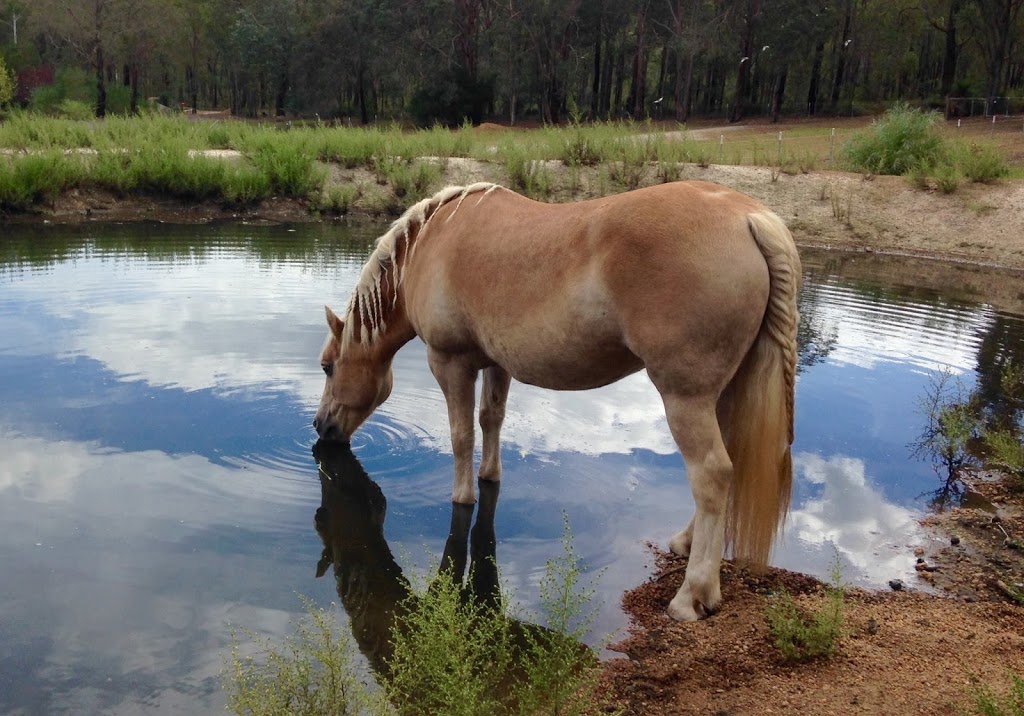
pixel 316 424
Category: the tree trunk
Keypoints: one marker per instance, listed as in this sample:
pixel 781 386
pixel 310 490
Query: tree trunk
pixel 812 90
pixel 688 84
pixel 364 115
pixel 746 58
pixel 844 41
pixel 134 82
pixel 950 55
pixel 779 93
pixel 101 82
pixel 595 87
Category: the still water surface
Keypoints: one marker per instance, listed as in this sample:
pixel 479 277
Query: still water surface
pixel 157 486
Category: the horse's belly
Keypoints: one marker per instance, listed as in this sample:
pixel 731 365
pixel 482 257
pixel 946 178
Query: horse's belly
pixel 562 363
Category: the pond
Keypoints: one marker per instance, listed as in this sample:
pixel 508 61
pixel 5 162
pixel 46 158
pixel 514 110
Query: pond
pixel 158 490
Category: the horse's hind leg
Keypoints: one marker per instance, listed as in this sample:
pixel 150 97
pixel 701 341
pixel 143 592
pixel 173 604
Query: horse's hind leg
pixel 492 413
pixel 694 426
pixel 682 541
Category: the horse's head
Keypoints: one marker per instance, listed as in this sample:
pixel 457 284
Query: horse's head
pixel 358 380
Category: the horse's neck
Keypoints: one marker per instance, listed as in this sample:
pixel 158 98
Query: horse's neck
pixel 371 588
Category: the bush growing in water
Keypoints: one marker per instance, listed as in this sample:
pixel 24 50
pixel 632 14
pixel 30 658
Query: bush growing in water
pixel 897 143
pixel 452 655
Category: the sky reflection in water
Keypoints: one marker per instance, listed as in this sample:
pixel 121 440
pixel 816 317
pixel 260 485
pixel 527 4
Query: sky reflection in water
pixel 157 486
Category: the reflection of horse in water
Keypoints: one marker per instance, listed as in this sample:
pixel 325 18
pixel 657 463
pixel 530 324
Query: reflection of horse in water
pixel 371 586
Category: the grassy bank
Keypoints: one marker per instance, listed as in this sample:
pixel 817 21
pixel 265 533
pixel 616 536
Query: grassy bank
pixel 378 169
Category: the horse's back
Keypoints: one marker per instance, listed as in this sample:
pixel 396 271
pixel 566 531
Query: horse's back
pixel 594 289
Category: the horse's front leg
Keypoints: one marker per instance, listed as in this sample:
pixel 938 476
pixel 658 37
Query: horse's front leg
pixel 457 378
pixel 492 414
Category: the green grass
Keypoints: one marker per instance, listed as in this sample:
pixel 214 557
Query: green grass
pixel 27 180
pixel 287 160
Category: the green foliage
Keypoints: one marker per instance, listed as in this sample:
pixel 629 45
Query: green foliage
pixel 455 655
pixel 581 149
pixel 897 143
pixel 451 98
pixel 525 174
pixel 314 673
pixel 981 162
pixel 338 200
pixel 450 656
pixel 27 180
pixel 988 703
pixel 74 110
pixel 948 178
pixel 70 83
pixel 803 635
pixel 407 177
pixel 7 86
pixel 1006 452
pixel 561 674
pixel 289 165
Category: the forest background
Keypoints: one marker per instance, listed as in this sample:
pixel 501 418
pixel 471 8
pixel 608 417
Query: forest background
pixel 452 61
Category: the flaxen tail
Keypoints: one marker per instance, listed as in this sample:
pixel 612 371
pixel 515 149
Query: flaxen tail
pixel 760 429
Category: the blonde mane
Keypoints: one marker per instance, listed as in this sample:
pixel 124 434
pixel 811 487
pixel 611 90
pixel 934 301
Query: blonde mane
pixel 369 308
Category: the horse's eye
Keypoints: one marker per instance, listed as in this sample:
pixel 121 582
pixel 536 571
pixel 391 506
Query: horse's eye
pixel 328 368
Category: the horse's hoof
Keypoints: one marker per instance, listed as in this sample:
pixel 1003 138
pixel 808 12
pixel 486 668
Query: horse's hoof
pixel 680 544
pixel 686 606
pixel 685 612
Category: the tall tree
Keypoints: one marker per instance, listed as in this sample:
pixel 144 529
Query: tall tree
pixel 86 26
pixel 997 23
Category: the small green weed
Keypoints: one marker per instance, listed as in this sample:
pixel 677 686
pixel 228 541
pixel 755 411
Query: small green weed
pixel 948 178
pixel 313 673
pixel 801 635
pixel 988 703
pixel 1006 452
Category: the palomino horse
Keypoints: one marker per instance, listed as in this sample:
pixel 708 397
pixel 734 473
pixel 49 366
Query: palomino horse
pixel 693 281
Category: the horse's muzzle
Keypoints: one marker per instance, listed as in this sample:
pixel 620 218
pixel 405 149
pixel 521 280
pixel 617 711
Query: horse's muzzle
pixel 328 431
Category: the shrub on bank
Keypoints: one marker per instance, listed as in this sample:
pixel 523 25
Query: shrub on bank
pixel 901 140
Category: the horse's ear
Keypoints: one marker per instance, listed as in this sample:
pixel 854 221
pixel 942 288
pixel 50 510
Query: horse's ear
pixel 323 563
pixel 334 322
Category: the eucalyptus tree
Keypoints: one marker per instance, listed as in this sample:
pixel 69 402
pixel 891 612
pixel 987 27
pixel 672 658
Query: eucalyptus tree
pixel 87 28
pixel 789 28
pixel 13 14
pixel 997 25
pixel 692 27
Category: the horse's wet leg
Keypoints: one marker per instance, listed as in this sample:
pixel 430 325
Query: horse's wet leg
pixel 492 413
pixel 458 383
pixel 695 429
